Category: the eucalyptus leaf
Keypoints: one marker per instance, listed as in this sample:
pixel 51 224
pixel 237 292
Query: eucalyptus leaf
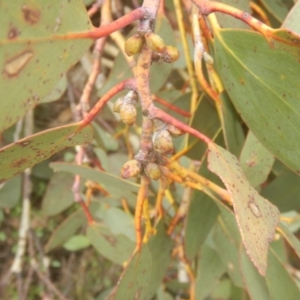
pixel 27 152
pixel 116 248
pixel 36 49
pixel 256 161
pixel 256 217
pixel 115 185
pixel 262 82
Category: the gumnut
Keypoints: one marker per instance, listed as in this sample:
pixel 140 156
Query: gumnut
pixel 153 171
pixel 133 45
pixel 162 142
pixel 128 113
pixel 154 42
pixel 131 168
pixel 174 131
pixel 117 105
pixel 171 54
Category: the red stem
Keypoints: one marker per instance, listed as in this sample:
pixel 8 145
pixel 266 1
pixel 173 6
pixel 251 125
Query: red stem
pixel 128 83
pixel 87 212
pixel 207 7
pixel 155 112
pixel 172 107
pixel 105 30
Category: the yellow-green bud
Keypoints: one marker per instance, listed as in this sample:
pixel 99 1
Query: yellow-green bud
pixel 171 54
pixel 117 105
pixel 154 42
pixel 174 131
pixel 133 45
pixel 162 142
pixel 131 168
pixel 128 113
pixel 153 171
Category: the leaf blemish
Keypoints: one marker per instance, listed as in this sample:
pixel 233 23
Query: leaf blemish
pixel 24 144
pixel 254 209
pixel 13 33
pixel 16 64
pixel 30 15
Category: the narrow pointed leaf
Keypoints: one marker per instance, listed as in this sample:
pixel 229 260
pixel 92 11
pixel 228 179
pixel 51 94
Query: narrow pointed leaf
pixel 292 19
pixel 290 238
pixel 115 247
pixel 25 153
pixel 280 283
pixel 256 217
pixel 262 82
pixel 256 161
pixel 201 216
pixel 36 49
pixel 210 269
pixel 115 185
pixel 134 282
pixel 255 283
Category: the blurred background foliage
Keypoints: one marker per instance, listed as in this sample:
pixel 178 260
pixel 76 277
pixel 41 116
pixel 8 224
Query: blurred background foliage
pixel 67 259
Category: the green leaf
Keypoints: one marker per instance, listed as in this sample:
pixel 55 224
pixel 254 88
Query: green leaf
pixel 58 91
pixel 279 281
pixel 256 217
pixel 227 244
pixel 134 282
pixel 279 8
pixel 292 19
pixel 210 269
pixel 59 195
pixel 65 230
pixel 25 153
pixel 228 21
pixel 284 191
pixel 115 185
pixel 201 216
pixel 36 48
pixel 160 70
pixel 116 248
pixel 290 238
pixel 205 120
pixel 256 161
pixel 10 192
pixel 262 83
pixel 77 242
pixel 231 124
pixel 160 246
pixel 104 139
pixel 119 222
pixel 255 283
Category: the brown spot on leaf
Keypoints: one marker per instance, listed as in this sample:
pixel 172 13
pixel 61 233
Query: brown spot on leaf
pixel 137 294
pixel 18 163
pixel 30 15
pixel 24 144
pixel 17 63
pixel 12 33
pixel 111 240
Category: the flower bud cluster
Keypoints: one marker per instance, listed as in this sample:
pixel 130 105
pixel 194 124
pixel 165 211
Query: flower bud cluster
pixel 125 106
pixel 133 45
